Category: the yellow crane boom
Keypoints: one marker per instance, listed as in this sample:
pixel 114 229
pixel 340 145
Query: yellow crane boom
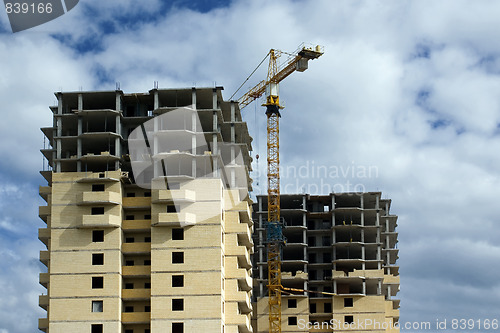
pixel 297 62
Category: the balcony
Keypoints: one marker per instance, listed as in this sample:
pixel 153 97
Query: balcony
pixel 44 236
pixel 45 258
pixel 136 202
pixel 44 212
pixel 243 231
pixel 390 311
pixel 100 221
pixel 136 225
pixel 43 301
pixel 44 192
pixel 134 248
pixel 136 294
pixel 43 324
pixel 243 299
pixel 173 219
pixel 391 279
pixel 136 317
pixel 102 198
pixel 242 320
pixel 242 254
pixel 44 279
pixel 169 196
pixel 241 274
pixel 142 271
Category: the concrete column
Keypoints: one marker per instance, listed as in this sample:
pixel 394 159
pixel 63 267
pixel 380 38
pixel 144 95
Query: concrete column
pixel 362 218
pixel 193 98
pixel 59 126
pixel 379 288
pixel 215 149
pixel 79 145
pixel 117 152
pixel 118 101
pixel 156 100
pixel 194 138
pixel 233 112
pixel 364 287
pixel 58 153
pixel 118 125
pixel 377 202
pixel 304 240
pixel 214 99
pixel 80 102
pixel 389 292
pixel 59 103
pixel 362 201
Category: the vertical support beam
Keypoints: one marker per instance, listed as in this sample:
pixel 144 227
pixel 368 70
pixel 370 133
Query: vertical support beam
pixel 233 142
pixel 194 139
pixel 156 100
pixel 58 142
pixel 117 153
pixel 214 99
pixel 80 101
pixel 193 98
pixel 215 149
pixel 79 145
pixel 156 164
pixel 118 130
pixel 59 103
pixel 118 101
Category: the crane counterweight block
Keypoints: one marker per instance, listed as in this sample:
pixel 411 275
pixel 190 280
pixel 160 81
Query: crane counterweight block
pixel 273 109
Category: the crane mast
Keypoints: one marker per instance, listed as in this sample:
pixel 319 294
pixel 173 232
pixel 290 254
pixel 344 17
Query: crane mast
pixel 275 238
pixel 274 231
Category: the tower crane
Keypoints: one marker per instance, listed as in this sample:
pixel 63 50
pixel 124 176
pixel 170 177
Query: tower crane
pixel 298 61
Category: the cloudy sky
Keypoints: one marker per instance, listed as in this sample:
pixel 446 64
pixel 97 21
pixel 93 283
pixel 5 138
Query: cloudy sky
pixel 405 100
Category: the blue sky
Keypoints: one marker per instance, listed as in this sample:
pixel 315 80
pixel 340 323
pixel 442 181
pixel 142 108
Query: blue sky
pixel 410 88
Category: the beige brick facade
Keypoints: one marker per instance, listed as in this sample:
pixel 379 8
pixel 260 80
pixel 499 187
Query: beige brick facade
pixel 122 258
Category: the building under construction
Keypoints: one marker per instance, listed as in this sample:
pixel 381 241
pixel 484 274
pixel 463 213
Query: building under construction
pixel 166 249
pixel 341 250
